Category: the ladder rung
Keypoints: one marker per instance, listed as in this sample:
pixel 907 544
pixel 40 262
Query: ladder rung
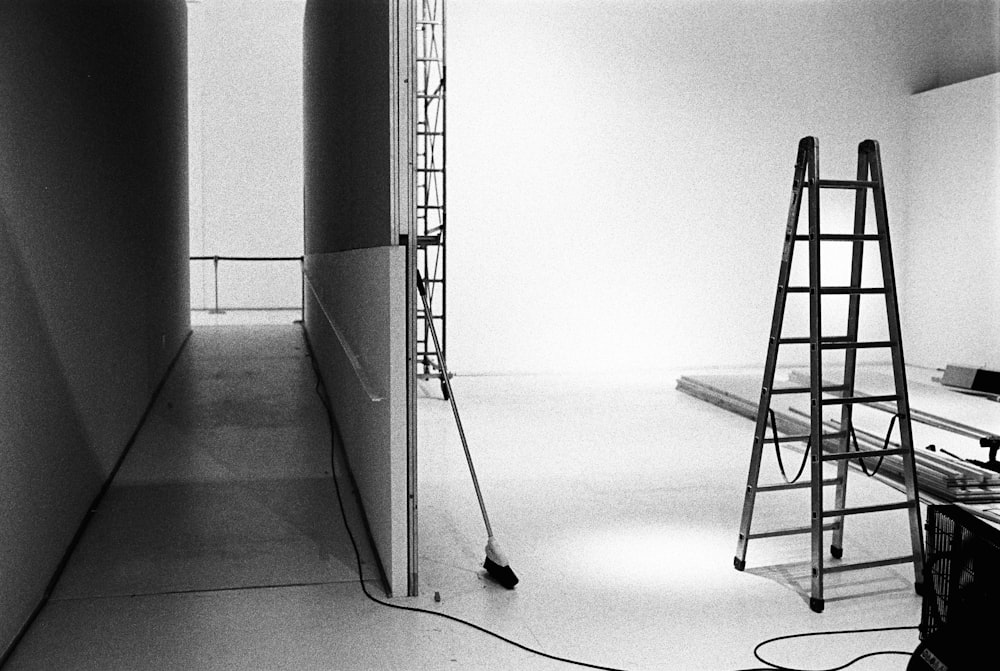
pixel 839 568
pixel 801 438
pixel 805 390
pixel 835 456
pixel 838 290
pixel 786 439
pixel 428 240
pixel 860 510
pixel 847 400
pixel 430 169
pixel 795 485
pixel 805 340
pixel 791 532
pixel 852 290
pixel 841 237
pixel 856 345
pixel 846 184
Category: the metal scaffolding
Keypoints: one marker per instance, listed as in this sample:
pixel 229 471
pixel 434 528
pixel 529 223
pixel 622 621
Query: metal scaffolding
pixel 430 176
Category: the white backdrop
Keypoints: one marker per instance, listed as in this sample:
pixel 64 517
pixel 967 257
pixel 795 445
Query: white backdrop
pixel 619 170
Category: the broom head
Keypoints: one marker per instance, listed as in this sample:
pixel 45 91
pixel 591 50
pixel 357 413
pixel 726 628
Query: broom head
pixel 497 566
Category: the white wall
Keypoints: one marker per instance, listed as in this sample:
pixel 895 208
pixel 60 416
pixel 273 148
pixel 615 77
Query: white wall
pixel 245 105
pixel 951 308
pixel 619 170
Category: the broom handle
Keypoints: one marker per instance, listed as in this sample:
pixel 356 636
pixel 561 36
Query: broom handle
pixel 451 397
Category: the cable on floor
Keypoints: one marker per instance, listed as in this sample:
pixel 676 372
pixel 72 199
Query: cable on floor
pixel 325 400
pixel 777 667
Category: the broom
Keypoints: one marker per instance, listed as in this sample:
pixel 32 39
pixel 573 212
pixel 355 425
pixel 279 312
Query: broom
pixel 496 561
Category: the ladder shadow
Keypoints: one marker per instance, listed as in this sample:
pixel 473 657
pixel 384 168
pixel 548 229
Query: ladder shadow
pixel 796 576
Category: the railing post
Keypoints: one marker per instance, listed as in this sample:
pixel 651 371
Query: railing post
pixel 216 311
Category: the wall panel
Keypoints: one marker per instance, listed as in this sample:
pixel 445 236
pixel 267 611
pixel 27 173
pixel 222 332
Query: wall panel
pixel 357 202
pixel 354 315
pixel 951 305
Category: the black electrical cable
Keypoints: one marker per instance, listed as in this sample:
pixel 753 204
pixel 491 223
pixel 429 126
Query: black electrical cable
pixel 777 450
pixel 885 446
pixel 777 667
pixel 325 400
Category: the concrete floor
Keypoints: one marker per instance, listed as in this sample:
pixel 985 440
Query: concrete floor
pixel 220 544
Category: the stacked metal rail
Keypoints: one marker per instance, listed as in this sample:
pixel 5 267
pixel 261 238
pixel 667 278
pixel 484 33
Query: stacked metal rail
pixel 942 478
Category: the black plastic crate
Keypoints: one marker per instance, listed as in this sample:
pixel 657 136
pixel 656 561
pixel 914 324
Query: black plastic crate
pixel 961 599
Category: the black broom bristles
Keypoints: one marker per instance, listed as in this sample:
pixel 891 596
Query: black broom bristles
pixel 496 565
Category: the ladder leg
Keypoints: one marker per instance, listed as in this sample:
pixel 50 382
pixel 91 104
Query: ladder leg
pixel 851 355
pixel 791 227
pixel 815 381
pixel 740 559
pixel 898 363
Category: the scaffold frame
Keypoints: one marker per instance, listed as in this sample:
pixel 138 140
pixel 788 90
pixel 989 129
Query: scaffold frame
pixel 431 184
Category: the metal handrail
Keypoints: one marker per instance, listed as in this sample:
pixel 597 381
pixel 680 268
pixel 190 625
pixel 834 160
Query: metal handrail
pixel 218 257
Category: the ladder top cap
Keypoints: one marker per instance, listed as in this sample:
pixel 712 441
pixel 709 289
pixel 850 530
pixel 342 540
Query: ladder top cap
pixel 809 141
pixel 813 142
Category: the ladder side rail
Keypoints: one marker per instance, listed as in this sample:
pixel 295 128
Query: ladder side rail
pixel 767 385
pixel 851 354
pixel 815 378
pixel 871 148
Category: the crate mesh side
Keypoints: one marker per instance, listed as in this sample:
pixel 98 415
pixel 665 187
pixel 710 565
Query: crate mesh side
pixel 957 542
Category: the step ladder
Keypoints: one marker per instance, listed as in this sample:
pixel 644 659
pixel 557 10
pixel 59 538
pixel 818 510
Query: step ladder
pixel 822 445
